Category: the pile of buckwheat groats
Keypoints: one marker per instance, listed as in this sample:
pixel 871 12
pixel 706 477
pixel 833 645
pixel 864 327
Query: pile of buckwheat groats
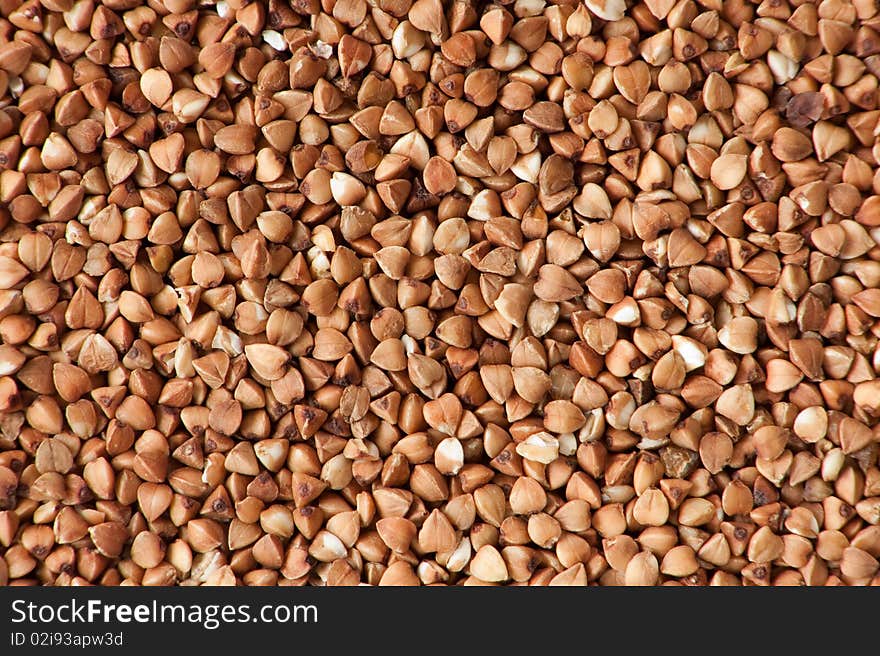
pixel 400 293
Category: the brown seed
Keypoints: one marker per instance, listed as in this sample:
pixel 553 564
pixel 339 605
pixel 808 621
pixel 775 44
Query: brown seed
pixel 562 417
pixel 488 565
pixel 439 176
pixel 437 533
pixel 858 564
pixel 680 561
pixel 268 361
pixel 235 139
pixel 651 508
pixel 556 284
pixel 11 272
pixel 320 297
pixel 396 532
pixel 642 570
pixel 108 538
